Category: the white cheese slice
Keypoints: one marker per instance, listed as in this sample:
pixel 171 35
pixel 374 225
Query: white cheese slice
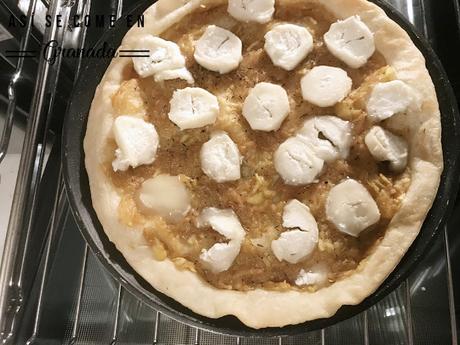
pixel 287 45
pixel 351 41
pixel 193 107
pixel 179 73
pixel 297 215
pixel 137 142
pixel 266 107
pixel 336 133
pixel 388 99
pixel 220 158
pixel 224 221
pixel 220 257
pixel 296 162
pixel 260 11
pixel 218 50
pixel 166 196
pixel 385 146
pixel 163 55
pixel 294 246
pixel 351 208
pixel 316 275
pixel 325 86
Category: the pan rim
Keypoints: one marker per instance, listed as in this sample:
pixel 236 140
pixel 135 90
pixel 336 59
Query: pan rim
pixel 444 197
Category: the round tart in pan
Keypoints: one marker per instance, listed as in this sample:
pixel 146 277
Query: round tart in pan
pixel 272 160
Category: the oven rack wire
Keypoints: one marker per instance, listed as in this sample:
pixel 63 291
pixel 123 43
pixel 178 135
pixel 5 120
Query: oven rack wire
pixel 15 285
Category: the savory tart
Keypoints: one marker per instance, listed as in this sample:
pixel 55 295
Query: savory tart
pixel 268 160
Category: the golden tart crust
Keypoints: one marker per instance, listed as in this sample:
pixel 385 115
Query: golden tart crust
pixel 259 289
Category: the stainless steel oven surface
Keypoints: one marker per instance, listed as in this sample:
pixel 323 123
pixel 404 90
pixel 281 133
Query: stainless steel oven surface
pixel 53 290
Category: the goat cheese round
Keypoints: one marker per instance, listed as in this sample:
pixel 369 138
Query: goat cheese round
pixel 224 221
pixel 294 246
pixel 388 99
pixel 351 208
pixel 297 163
pixel 163 55
pixel 193 107
pixel 260 11
pixel 385 146
pixel 298 215
pixel 220 256
pixel 287 45
pixel 266 107
pixel 166 196
pixel 220 158
pixel 336 133
pixel 325 86
pixel 351 41
pixel 218 50
pixel 137 142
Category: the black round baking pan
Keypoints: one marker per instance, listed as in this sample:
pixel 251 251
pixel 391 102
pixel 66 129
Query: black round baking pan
pixel 79 196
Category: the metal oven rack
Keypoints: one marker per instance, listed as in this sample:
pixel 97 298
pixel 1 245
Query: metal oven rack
pixel 53 290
